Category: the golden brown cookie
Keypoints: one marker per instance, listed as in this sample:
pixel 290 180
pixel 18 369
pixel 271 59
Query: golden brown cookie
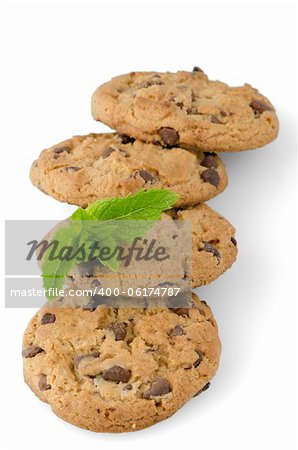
pixel 115 370
pixel 186 109
pixel 83 169
pixel 211 251
pixel 214 250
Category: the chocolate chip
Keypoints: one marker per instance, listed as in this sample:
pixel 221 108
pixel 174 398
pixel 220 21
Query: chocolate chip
pixel 126 139
pixel 180 104
pixel 214 119
pixel 42 383
pixel 59 150
pixel 169 136
pixel 199 360
pixel 180 311
pixel 116 374
pixel 208 247
pixel 119 330
pixel 209 161
pixel 89 268
pixel 177 331
pixel 211 176
pixel 234 242
pixel 70 169
pixel 223 113
pixel 128 387
pixel 149 83
pixel 259 106
pixel 147 177
pixel 107 152
pixel 31 351
pixel 77 359
pixel 158 387
pixel 204 388
pixel 197 69
pixel 47 318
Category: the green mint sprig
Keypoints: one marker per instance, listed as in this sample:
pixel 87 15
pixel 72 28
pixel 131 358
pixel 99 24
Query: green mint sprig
pixel 145 207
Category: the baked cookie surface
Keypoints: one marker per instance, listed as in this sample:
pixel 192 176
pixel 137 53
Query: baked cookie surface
pixel 186 109
pixel 97 166
pixel 115 370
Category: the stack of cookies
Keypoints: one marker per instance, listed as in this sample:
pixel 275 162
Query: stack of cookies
pixel 111 369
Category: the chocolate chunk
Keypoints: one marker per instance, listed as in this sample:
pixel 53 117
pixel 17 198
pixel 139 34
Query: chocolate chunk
pixel 116 374
pixel 126 139
pixel 259 106
pixel 211 176
pixel 234 242
pixel 146 176
pixel 180 311
pixel 31 351
pixel 204 388
pixel 169 136
pixel 197 69
pixel 214 119
pixel 42 383
pixel 59 150
pixel 199 360
pixel 149 83
pixel 89 268
pixel 177 331
pixel 107 152
pixel 70 169
pixel 77 359
pixel 158 387
pixel 208 247
pixel 119 330
pixel 209 161
pixel 47 318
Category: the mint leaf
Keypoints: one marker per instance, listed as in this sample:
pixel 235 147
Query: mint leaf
pixel 85 225
pixel 145 205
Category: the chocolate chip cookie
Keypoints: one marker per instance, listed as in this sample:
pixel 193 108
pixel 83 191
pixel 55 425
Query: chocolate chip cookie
pixel 186 109
pixel 212 251
pixel 115 370
pixel 87 168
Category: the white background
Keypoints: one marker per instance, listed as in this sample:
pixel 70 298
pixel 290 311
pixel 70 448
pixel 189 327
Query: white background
pixel 54 56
